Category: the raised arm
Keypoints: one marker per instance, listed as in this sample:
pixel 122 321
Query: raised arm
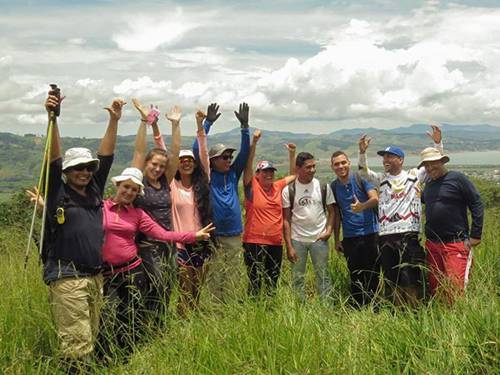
pixel 175 119
pixel 201 138
pixel 366 172
pixel 108 142
pixel 436 135
pixel 140 139
pixel 241 160
pixel 152 119
pixel 248 173
pixel 212 115
pixel 291 147
pixel 50 103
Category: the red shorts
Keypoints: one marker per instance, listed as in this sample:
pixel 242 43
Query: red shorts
pixel 449 265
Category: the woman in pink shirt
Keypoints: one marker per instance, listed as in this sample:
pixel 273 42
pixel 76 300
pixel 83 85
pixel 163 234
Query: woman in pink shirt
pixel 125 279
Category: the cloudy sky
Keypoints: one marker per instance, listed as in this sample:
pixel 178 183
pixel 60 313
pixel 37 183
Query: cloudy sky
pixel 309 66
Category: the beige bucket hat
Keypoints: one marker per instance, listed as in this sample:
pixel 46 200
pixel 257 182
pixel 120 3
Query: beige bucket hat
pixel 432 154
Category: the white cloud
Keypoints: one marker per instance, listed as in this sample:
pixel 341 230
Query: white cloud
pixel 148 32
pixel 143 86
pixel 89 83
pixel 5 61
pixel 192 89
pixel 338 66
pixel 77 41
pixel 32 119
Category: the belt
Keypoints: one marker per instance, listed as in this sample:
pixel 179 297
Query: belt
pixel 448 239
pixel 116 267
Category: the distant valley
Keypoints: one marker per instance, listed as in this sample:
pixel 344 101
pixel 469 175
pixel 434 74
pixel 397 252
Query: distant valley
pixel 20 156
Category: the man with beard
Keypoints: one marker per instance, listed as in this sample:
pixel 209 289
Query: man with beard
pixel 401 255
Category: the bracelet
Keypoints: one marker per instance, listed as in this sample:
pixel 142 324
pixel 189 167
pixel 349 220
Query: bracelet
pixel 157 137
pixel 142 120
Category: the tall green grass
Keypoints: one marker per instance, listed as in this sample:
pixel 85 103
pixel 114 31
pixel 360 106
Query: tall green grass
pixel 277 336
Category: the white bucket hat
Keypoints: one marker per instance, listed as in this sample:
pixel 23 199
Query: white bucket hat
pixel 133 174
pixel 186 153
pixel 78 155
pixel 432 154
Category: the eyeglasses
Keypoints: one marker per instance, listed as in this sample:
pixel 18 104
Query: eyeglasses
pixel 227 157
pixel 91 167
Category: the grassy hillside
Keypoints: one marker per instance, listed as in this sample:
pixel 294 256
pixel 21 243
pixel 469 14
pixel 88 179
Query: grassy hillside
pixel 272 337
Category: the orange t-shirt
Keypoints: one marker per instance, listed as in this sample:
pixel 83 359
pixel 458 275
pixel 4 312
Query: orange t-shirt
pixel 264 214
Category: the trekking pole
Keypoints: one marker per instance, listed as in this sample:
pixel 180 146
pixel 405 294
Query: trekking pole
pixel 44 175
pixel 46 187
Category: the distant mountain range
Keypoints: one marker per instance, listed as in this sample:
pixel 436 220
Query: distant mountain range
pixel 20 156
pixel 412 139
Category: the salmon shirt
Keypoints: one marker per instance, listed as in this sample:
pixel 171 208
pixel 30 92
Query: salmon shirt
pixel 264 213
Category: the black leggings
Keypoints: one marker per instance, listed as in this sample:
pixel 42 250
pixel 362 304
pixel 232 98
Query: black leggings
pixel 362 260
pixel 263 264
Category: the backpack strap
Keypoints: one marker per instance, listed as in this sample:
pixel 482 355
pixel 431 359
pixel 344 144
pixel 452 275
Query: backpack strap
pixel 333 186
pixel 359 182
pixel 323 196
pixel 291 193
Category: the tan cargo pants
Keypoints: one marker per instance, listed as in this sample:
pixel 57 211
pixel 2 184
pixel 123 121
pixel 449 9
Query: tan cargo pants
pixel 76 305
pixel 225 269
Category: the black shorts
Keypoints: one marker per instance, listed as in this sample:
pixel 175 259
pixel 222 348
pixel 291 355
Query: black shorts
pixel 402 259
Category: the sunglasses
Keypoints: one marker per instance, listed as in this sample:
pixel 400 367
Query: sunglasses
pixel 227 157
pixel 186 159
pixel 91 167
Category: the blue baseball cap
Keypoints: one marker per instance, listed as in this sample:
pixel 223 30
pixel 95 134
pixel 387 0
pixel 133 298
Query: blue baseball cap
pixel 394 150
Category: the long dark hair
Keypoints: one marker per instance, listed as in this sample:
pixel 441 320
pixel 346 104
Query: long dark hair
pixel 201 188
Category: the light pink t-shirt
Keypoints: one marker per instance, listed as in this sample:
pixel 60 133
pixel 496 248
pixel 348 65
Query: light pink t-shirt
pixel 185 216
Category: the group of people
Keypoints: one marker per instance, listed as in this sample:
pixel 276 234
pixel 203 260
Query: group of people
pixel 176 215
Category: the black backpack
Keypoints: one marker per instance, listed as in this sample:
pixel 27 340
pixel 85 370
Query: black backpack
pixel 291 194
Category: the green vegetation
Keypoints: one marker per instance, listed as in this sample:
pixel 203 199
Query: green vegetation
pixel 269 337
pixel 20 156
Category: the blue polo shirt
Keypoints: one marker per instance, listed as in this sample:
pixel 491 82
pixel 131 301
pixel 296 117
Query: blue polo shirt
pixel 355 224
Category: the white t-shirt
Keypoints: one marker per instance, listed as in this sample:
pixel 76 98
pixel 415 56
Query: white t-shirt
pixel 308 215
